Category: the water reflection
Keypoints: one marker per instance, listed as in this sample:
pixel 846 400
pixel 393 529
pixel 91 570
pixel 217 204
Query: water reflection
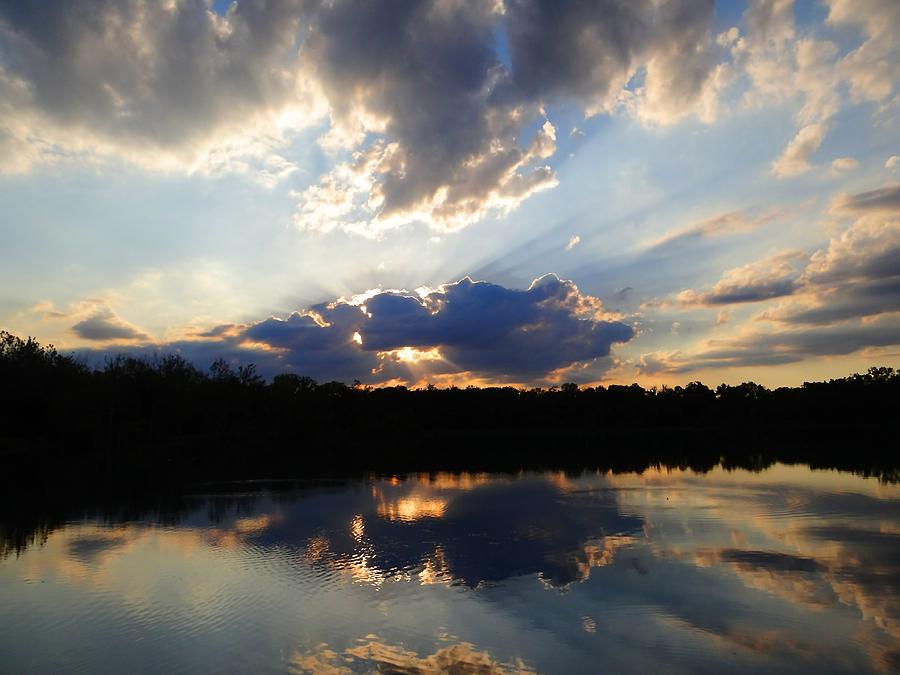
pixel 372 655
pixel 782 570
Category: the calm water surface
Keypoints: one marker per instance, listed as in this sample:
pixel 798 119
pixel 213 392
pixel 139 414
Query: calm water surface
pixel 781 571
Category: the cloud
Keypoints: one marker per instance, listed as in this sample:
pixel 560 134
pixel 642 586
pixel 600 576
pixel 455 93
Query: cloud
pixel 94 320
pixel 683 74
pixel 846 296
pixel 438 125
pixel 725 223
pixel 844 164
pixel 857 275
pixel 892 162
pixel 873 68
pixel 886 198
pixel 813 71
pixel 467 328
pixel 574 240
pixel 586 51
pixel 862 260
pixel 448 155
pixel 770 23
pixel 430 116
pixel 795 159
pixel 105 326
pixel 764 279
pixel 445 153
pixel 868 249
pixel 161 84
pixel 759 348
pixel 589 51
pixel 827 305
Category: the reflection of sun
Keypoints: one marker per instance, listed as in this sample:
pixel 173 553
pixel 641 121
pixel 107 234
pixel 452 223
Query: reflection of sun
pixel 317 548
pixel 454 481
pixel 357 527
pixel 435 569
pixel 409 509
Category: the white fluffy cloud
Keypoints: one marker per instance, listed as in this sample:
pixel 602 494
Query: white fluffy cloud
pixel 783 67
pixel 842 164
pixel 796 156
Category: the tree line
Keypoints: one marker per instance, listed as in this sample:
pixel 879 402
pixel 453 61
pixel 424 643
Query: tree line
pixel 157 415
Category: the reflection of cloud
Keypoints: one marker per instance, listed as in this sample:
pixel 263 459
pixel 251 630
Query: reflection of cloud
pixel 796 569
pixel 783 575
pixel 378 656
pixel 473 531
pixel 833 549
pixel 598 552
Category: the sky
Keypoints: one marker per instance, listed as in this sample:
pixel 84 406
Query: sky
pixel 457 192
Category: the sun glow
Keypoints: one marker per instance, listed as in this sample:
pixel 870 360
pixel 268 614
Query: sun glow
pixel 412 355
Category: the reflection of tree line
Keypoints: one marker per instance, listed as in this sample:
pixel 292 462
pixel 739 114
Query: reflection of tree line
pixel 29 516
pixel 163 419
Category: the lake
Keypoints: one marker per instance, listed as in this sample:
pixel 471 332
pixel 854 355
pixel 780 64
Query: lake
pixel 784 570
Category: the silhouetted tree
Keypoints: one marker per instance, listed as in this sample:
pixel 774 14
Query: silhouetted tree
pixel 162 414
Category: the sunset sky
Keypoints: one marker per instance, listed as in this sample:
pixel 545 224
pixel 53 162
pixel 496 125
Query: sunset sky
pixel 457 191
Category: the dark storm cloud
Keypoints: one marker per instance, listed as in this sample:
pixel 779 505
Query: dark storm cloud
pixel 476 328
pixel 487 328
